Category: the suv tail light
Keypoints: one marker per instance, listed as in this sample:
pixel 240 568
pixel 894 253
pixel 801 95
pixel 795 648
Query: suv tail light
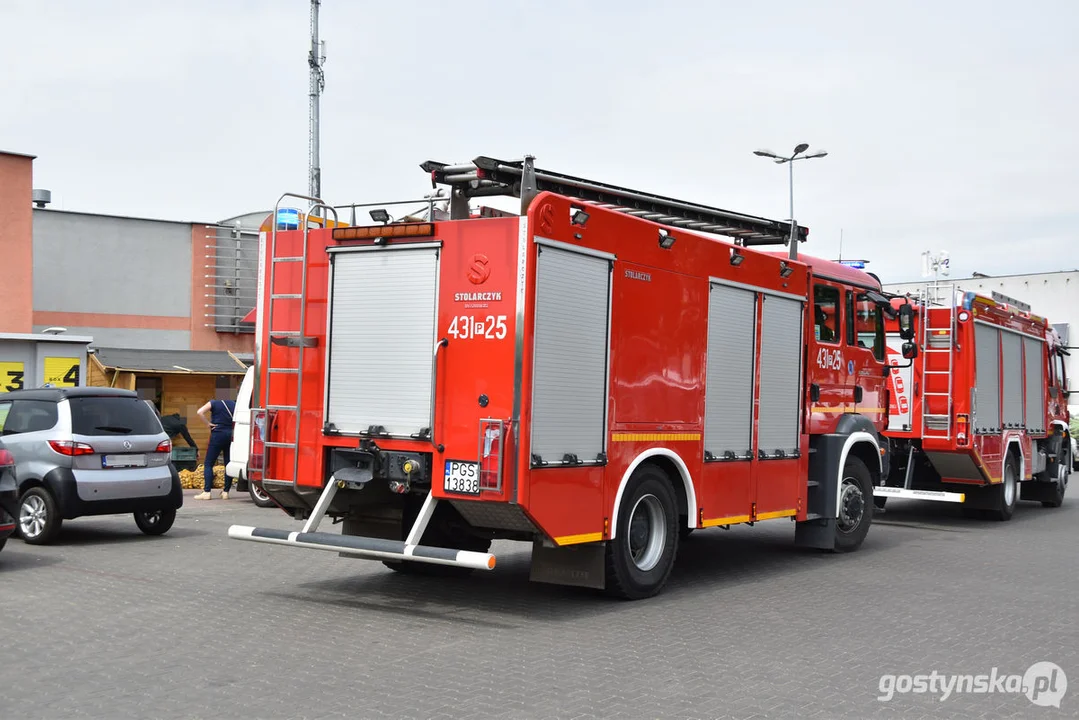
pixel 6 458
pixel 70 448
pixel 165 446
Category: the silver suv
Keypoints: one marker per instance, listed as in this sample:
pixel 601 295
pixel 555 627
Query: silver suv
pixel 88 451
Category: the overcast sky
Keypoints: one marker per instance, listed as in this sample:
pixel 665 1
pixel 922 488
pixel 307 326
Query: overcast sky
pixel 950 125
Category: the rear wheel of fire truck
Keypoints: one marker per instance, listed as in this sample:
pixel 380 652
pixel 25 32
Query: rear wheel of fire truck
pixel 1007 492
pixel 640 558
pixel 1060 485
pixel 855 490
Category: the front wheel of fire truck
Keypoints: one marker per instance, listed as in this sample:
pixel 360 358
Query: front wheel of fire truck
pixel 640 557
pixel 1006 494
pixel 855 513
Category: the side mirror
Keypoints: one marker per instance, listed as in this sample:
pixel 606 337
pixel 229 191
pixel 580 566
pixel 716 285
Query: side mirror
pixel 910 350
pixel 906 324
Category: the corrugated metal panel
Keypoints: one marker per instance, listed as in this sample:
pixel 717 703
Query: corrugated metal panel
pixel 987 379
pixel 781 362
pixel 732 326
pixel 381 340
pixel 1012 356
pixel 569 382
pixel 1035 367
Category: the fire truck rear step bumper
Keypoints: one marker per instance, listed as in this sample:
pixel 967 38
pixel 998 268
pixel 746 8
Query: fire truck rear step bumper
pixel 938 495
pixel 365 547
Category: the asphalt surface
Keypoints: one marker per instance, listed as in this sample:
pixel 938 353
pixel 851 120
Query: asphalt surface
pixel 108 623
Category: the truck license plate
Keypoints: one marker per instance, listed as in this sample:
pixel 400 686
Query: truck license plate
pixel 462 477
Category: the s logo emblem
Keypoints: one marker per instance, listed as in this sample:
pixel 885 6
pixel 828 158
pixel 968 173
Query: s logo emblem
pixel 127 444
pixel 479 270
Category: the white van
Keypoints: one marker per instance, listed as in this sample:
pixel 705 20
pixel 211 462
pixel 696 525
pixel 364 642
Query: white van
pixel 241 443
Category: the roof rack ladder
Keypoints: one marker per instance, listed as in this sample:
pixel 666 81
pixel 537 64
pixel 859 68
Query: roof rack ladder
pixel 486 176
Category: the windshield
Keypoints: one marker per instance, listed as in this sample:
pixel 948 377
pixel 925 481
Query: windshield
pixel 112 416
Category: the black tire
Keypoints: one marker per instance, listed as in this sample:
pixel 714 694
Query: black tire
pixel 640 558
pixel 855 515
pixel 155 522
pixel 1006 494
pixel 259 496
pixel 42 527
pixel 1057 494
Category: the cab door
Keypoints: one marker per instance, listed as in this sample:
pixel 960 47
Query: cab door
pixel 867 353
pixel 829 391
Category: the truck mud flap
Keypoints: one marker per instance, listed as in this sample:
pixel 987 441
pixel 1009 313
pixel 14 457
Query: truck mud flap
pixel 365 547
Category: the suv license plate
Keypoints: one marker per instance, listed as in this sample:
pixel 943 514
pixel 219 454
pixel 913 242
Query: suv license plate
pixel 462 477
pixel 120 461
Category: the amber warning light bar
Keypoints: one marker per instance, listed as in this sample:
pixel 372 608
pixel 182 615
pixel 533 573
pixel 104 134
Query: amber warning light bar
pixel 370 232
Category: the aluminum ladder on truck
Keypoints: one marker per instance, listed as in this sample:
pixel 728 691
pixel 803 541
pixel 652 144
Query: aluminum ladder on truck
pixel 938 339
pixel 288 338
pixel 487 177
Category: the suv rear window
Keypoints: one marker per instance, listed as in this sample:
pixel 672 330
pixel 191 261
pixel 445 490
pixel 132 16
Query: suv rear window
pixel 112 416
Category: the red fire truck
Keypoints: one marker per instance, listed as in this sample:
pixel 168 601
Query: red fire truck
pixel 981 417
pixel 598 376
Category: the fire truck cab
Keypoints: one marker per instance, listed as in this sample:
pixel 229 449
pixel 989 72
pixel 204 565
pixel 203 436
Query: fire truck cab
pixel 598 376
pixel 981 417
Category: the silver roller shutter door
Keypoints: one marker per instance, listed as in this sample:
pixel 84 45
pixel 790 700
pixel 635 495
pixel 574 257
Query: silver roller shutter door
pixel 732 323
pixel 781 387
pixel 987 379
pixel 382 327
pixel 1035 400
pixel 1012 355
pixel 569 376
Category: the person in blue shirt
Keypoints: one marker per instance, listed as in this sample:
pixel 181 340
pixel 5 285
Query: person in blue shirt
pixel 221 425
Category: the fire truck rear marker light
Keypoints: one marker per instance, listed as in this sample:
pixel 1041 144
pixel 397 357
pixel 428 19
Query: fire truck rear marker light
pixel 578 539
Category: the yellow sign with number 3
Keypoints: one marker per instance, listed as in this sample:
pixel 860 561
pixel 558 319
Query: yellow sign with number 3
pixel 11 376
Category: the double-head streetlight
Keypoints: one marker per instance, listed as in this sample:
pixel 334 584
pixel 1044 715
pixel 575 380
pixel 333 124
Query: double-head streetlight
pixel 799 154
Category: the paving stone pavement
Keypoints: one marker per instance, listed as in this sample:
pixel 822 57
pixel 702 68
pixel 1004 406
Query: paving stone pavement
pixel 108 623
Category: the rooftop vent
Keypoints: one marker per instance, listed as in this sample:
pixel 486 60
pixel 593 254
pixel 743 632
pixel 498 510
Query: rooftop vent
pixel 41 197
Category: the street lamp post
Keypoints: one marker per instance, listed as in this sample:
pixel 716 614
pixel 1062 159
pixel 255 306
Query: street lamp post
pixel 779 160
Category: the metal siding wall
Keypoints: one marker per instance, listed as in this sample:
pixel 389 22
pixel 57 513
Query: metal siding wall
pixel 94 264
pixel 380 362
pixel 1012 356
pixel 1035 399
pixel 569 380
pixel 781 389
pixel 135 339
pixel 987 382
pixel 732 324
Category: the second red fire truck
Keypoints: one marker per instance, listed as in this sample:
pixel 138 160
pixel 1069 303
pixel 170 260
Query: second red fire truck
pixel 598 376
pixel 981 417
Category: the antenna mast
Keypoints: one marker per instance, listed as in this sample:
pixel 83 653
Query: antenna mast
pixel 315 59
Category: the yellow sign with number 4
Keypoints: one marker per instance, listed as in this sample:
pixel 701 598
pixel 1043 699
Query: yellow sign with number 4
pixel 62 371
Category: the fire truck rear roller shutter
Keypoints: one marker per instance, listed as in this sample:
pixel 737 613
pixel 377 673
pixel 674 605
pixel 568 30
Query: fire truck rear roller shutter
pixel 1035 400
pixel 987 378
pixel 1012 355
pixel 732 325
pixel 381 340
pixel 569 385
pixel 780 382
